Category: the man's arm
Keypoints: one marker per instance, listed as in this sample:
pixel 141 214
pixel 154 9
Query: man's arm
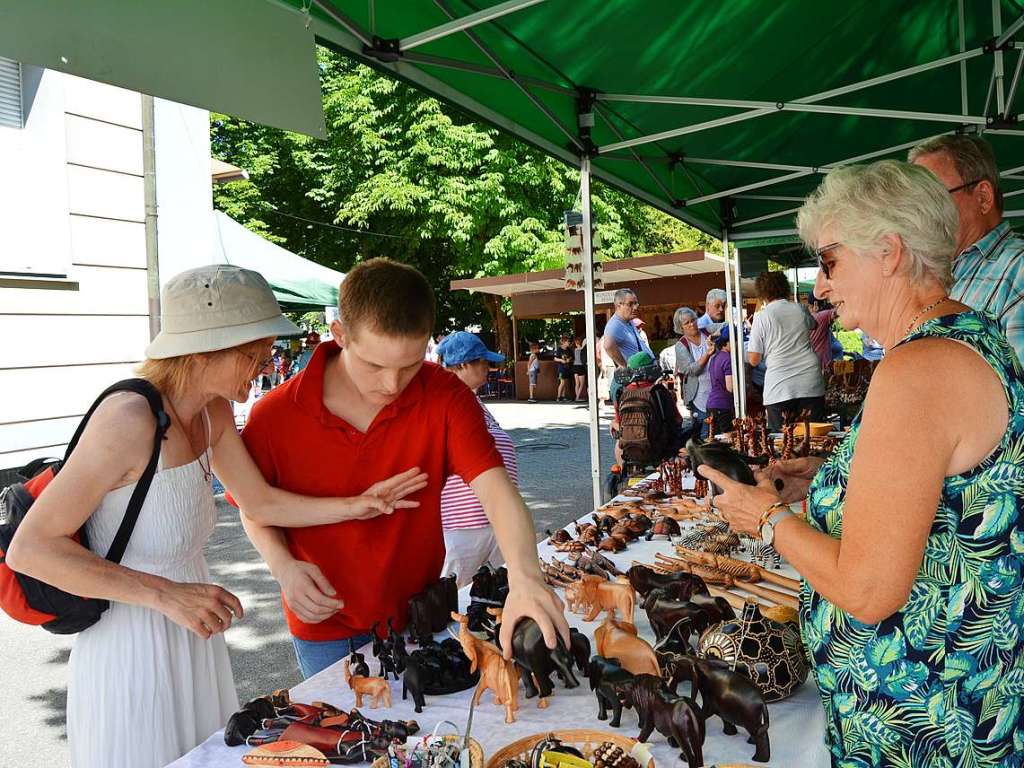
pixel 513 529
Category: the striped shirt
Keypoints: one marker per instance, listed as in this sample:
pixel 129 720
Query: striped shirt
pixel 989 277
pixel 459 505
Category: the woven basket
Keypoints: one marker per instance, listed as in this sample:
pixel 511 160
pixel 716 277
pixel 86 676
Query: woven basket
pixel 476 753
pixel 584 739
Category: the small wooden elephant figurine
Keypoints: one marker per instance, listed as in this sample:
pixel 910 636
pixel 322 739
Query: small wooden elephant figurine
pixel 729 694
pixel 376 688
pixel 672 716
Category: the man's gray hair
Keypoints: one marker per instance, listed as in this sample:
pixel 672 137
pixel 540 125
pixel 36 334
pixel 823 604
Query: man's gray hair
pixel 681 316
pixel 864 203
pixel 715 294
pixel 622 293
pixel 972 157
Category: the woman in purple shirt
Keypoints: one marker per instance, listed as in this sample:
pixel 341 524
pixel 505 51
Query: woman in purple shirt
pixel 720 403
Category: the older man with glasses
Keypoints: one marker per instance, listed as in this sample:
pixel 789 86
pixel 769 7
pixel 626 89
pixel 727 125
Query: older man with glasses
pixel 621 340
pixel 988 271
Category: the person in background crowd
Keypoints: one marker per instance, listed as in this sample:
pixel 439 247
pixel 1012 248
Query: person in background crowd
pixel 988 268
pixel 822 337
pixel 621 339
pixel 152 678
pixel 310 343
pixel 873 351
pixel 364 406
pixel 275 367
pixel 910 554
pixel 714 311
pixel 579 368
pixel 694 351
pixel 564 357
pixel 468 535
pixel 284 369
pixel 533 370
pixel 431 353
pixel 720 401
pixel 780 335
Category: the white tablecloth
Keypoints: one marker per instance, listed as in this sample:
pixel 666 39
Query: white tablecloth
pixel 796 732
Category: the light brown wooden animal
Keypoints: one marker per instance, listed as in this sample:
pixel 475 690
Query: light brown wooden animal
pixel 500 676
pixel 618 640
pixel 593 594
pixel 376 688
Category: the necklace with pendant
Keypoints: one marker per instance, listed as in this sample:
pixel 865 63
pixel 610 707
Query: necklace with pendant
pixel 925 311
pixel 205 467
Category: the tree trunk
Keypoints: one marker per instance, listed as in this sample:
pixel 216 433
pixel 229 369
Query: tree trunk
pixel 501 322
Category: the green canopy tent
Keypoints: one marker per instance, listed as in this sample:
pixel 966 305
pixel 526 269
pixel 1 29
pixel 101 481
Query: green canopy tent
pixel 722 114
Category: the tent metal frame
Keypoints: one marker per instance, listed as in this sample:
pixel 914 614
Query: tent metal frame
pixel 398 58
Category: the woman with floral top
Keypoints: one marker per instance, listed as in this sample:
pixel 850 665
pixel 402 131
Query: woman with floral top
pixel 912 554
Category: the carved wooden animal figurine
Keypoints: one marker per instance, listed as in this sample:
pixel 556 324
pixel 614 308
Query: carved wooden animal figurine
pixel 376 688
pixel 679 586
pixel 664 615
pixel 618 640
pixel 359 665
pixel 610 684
pixel 672 716
pixel 663 526
pixel 728 694
pixel 496 674
pixel 593 594
pixel 615 542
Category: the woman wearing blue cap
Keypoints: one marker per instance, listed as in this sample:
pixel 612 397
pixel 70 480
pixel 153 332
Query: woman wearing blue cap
pixel 468 536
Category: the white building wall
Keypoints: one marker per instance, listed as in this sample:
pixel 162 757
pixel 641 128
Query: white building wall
pixel 74 200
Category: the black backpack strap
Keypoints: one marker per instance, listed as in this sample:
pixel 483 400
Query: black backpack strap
pixel 163 422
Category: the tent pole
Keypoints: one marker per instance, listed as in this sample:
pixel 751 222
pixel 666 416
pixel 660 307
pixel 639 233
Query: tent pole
pixel 963 64
pixel 515 342
pixel 588 308
pixel 997 72
pixel 149 193
pixel 740 371
pixel 730 313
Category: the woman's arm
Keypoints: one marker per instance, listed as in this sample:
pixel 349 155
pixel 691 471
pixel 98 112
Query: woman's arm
pixel 113 451
pixel 909 441
pixel 267 505
pixel 728 383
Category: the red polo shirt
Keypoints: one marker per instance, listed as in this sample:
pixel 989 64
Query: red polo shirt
pixel 375 565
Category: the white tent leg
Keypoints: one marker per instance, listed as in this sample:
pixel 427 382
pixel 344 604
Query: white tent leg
pixel 588 304
pixel 740 371
pixel 730 314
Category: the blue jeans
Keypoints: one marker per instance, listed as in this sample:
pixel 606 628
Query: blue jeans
pixel 315 656
pixel 699 416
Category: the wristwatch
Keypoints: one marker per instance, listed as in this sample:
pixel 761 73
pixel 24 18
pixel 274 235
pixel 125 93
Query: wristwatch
pixel 768 526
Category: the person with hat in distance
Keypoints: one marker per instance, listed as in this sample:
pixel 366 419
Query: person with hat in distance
pixel 152 679
pixel 366 404
pixel 468 535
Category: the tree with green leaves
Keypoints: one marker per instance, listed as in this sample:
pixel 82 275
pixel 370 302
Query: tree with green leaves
pixel 403 175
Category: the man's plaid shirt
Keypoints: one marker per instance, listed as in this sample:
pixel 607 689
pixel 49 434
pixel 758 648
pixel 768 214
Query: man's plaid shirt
pixel 989 277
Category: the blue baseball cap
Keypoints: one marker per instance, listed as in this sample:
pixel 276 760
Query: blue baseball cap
pixel 465 347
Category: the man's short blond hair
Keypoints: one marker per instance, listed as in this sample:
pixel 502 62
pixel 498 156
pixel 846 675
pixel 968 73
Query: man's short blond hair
pixel 387 296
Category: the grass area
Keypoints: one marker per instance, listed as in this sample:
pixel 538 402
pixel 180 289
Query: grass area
pixel 851 341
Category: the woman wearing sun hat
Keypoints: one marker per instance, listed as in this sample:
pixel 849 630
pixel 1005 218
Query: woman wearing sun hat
pixel 468 536
pixel 152 678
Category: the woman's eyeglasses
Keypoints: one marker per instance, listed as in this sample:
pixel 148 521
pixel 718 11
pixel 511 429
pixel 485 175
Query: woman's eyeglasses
pixel 256 361
pixel 825 267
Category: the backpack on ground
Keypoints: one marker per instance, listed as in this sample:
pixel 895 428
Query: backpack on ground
pixel 29 600
pixel 648 432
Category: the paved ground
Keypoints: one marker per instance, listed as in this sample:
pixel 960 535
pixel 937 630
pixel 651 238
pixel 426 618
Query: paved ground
pixel 553 450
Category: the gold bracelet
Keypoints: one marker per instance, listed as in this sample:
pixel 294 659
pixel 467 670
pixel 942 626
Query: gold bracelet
pixel 768 513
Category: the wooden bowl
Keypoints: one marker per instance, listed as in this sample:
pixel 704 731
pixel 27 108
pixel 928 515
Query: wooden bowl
pixel 585 740
pixel 476 753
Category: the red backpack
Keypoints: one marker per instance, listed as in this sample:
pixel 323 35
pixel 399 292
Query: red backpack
pixel 31 601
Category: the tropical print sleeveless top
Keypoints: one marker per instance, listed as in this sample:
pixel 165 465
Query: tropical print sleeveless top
pixel 940 683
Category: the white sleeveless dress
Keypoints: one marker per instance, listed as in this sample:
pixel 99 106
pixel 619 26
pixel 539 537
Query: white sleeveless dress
pixel 142 690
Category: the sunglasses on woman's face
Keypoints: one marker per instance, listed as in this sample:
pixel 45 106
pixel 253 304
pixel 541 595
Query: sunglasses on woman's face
pixel 825 267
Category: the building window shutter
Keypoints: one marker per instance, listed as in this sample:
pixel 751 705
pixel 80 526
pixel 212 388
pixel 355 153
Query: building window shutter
pixel 10 94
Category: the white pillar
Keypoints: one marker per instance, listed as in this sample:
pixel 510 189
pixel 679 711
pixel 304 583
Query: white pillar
pixel 588 308
pixel 730 314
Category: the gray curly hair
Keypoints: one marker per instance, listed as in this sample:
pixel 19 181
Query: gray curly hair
pixel 681 316
pixel 864 203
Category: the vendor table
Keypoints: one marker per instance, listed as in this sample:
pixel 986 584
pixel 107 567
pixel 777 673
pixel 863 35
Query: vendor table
pixel 796 732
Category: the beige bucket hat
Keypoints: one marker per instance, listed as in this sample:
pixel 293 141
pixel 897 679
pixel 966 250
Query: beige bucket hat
pixel 216 307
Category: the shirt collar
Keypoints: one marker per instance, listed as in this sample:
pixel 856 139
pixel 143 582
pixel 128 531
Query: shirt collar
pixel 988 244
pixel 309 389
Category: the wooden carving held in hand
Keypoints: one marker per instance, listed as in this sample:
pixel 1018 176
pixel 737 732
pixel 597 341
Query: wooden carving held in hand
pixel 592 594
pixel 618 640
pixel 496 674
pixel 376 688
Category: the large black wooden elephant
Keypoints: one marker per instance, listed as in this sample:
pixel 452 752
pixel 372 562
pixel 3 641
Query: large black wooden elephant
pixel 537 661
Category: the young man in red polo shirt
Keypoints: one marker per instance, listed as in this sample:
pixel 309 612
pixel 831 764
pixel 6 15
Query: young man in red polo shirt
pixel 364 408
